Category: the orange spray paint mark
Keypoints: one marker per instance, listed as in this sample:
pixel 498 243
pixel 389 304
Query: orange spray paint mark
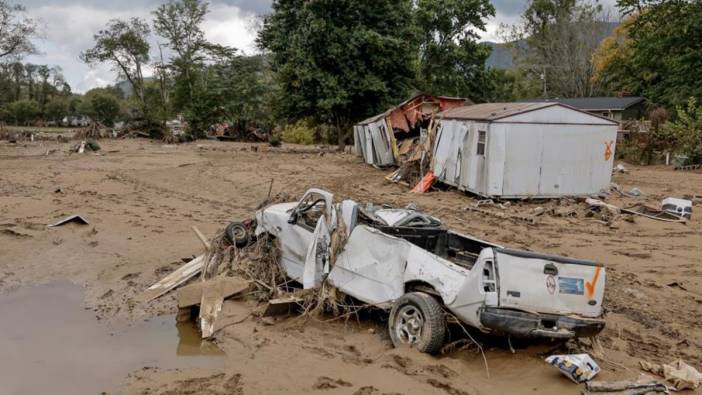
pixel 608 149
pixel 590 285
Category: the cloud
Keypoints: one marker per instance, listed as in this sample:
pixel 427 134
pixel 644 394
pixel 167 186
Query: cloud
pixel 68 27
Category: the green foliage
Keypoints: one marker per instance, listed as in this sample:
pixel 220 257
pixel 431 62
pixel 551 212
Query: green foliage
pixel 299 132
pixel 339 61
pixel 23 111
pixel 102 105
pixel 16 30
pixel 687 130
pixel 658 53
pixel 198 66
pixel 451 62
pixel 56 109
pixel 124 45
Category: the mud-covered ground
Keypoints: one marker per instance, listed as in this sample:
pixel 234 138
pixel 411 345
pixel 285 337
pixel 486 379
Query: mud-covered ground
pixel 141 198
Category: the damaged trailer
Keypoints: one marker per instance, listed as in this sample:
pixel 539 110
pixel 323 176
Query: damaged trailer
pixel 376 138
pixel 410 264
pixel 517 150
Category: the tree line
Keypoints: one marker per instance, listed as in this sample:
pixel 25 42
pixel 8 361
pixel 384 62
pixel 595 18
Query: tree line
pixel 331 63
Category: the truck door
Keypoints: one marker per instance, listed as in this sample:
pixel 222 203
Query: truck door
pixel 317 259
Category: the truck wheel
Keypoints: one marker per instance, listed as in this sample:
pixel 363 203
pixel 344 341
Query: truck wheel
pixel 237 234
pixel 417 320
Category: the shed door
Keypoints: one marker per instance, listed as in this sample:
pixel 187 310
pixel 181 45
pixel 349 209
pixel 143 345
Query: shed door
pixel 566 162
pixel 478 150
pixel 522 160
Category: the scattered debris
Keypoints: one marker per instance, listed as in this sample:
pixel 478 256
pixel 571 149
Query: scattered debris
pixel 677 207
pixel 637 209
pixel 653 213
pixel 191 295
pixel 626 387
pixel 426 182
pixel 680 374
pixel 619 168
pixel 282 306
pixel 688 167
pixel 73 218
pixel 577 367
pixel 635 192
pixel 514 217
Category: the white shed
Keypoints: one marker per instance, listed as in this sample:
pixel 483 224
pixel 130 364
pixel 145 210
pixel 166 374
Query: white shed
pixel 514 150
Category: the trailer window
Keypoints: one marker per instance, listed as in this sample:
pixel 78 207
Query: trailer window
pixel 482 136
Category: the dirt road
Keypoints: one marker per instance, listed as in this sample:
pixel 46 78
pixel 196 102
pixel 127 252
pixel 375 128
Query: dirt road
pixel 141 199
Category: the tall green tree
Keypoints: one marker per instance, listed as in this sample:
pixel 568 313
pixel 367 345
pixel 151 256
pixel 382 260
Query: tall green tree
pixel 124 45
pixel 180 23
pixel 340 60
pixel 656 53
pixel 451 61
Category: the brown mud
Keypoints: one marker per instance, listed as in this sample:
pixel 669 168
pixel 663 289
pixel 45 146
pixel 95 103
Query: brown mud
pixel 141 199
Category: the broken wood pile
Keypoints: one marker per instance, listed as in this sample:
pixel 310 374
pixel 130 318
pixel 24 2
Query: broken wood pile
pixel 95 131
pixel 254 272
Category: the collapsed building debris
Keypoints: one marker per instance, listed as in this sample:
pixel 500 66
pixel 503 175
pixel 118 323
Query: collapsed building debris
pixel 638 209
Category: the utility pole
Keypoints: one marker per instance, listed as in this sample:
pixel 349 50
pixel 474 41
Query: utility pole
pixel 543 79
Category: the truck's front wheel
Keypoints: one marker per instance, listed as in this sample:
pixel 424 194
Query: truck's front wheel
pixel 417 320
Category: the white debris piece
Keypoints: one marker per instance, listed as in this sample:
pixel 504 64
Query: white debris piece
pixel 577 367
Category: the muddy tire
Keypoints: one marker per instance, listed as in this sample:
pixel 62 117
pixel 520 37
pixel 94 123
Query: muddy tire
pixel 417 320
pixel 237 234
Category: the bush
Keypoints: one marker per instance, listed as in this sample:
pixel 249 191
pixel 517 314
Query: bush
pixel 687 130
pixel 298 133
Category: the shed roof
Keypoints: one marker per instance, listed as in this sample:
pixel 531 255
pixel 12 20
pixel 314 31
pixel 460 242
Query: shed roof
pixel 596 103
pixel 376 118
pixel 492 111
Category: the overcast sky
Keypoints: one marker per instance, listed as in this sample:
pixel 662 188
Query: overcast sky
pixel 69 25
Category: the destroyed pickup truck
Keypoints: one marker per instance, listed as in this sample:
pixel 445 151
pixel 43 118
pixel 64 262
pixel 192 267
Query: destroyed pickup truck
pixel 408 262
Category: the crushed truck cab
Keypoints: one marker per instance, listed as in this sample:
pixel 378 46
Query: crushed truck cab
pixel 408 262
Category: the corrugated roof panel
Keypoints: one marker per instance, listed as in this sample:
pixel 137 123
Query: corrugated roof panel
pixel 491 111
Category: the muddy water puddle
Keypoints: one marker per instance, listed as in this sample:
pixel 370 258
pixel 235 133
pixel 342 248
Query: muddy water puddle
pixel 49 343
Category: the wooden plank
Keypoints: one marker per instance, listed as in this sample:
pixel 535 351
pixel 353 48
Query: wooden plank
pixel 178 277
pixel 191 294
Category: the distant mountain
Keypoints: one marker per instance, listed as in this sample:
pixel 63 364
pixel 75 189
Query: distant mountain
pixel 126 87
pixel 501 56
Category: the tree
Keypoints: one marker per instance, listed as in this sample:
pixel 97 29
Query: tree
pixel 125 45
pixel 656 52
pixel 23 111
pixel 451 61
pixel 338 61
pixel 687 130
pixel 554 45
pixel 102 105
pixel 16 30
pixel 56 108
